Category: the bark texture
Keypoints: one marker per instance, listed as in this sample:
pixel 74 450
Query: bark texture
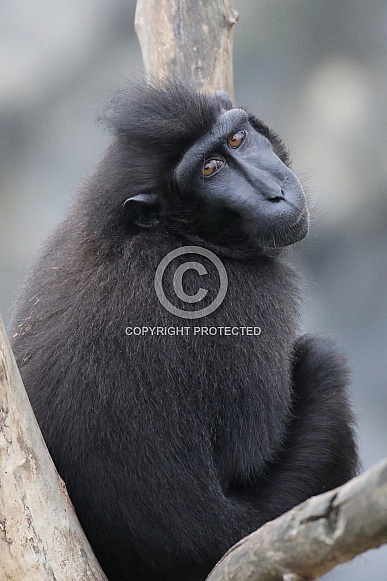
pixel 314 537
pixel 40 536
pixel 191 40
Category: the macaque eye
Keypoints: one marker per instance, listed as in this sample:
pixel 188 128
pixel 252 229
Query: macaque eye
pixel 211 166
pixel 236 139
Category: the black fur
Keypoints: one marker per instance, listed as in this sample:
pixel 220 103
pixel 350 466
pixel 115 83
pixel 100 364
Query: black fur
pixel 174 448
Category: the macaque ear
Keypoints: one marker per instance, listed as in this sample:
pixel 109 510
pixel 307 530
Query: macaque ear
pixel 224 99
pixel 143 210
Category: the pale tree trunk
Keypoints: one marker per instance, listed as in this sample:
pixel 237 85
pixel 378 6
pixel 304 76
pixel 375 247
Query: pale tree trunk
pixel 191 40
pixel 315 536
pixel 40 536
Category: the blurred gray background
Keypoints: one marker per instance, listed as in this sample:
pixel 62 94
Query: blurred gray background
pixel 316 71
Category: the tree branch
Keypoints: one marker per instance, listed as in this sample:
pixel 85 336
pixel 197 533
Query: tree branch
pixel 191 40
pixel 40 536
pixel 314 537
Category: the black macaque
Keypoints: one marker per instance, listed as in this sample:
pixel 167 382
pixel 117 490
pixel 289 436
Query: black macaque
pixel 176 442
